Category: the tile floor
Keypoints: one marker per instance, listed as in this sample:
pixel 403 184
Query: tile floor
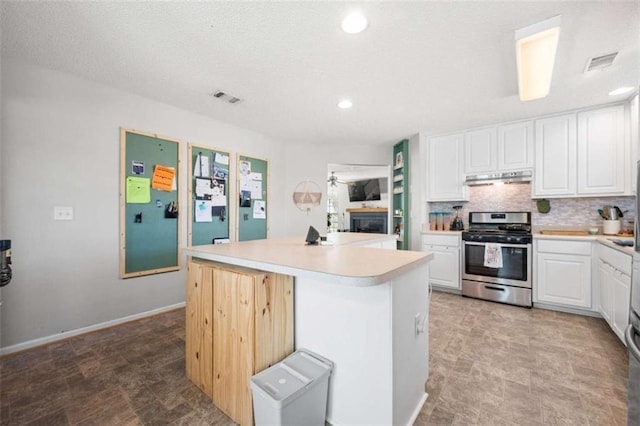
pixel 490 364
pixel 494 364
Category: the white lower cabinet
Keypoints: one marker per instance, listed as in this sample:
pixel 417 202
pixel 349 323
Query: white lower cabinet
pixel 563 273
pixel 445 265
pixel 605 277
pixel 614 282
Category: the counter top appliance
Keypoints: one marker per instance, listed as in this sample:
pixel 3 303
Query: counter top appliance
pixel 456 224
pixel 497 257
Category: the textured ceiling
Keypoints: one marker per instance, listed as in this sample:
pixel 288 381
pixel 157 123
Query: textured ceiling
pixel 420 66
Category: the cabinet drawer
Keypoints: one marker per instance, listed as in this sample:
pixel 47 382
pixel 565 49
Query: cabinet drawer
pixel 615 258
pixel 565 247
pixel 441 240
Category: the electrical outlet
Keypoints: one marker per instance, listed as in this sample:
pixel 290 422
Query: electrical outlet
pixel 62 213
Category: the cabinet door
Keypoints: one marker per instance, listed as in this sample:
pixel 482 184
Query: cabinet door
pixel 564 279
pixel 634 117
pixel 620 290
pixel 601 151
pixel 480 151
pixel 555 156
pixel 444 268
pixel 604 290
pixel 199 327
pixel 233 340
pixel 515 146
pixel 445 169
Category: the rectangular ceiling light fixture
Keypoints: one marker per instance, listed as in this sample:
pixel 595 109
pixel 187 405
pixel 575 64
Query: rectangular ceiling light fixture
pixel 536 47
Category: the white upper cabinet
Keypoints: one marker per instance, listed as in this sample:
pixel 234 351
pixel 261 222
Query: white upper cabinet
pixel 496 149
pixel 601 151
pixel 480 151
pixel 444 168
pixel 515 146
pixel 582 155
pixel 555 156
pixel 634 118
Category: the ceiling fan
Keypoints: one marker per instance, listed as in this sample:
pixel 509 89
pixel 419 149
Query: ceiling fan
pixel 333 180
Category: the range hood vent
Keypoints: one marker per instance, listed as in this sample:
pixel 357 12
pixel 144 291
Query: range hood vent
pixel 504 177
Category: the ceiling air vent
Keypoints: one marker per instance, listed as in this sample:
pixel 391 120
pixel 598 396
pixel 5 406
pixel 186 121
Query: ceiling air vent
pixel 600 62
pixel 225 97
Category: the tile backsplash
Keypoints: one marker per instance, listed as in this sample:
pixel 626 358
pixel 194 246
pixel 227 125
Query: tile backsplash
pixel 573 213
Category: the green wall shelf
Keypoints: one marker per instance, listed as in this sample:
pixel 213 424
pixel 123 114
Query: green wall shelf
pixel 400 193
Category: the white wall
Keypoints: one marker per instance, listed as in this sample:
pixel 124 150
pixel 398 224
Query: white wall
pixel 61 147
pixel 309 162
pixel 417 193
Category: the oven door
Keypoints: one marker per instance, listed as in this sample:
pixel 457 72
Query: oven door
pixel 515 270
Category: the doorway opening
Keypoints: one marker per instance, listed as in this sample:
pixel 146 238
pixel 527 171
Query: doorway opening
pixel 357 189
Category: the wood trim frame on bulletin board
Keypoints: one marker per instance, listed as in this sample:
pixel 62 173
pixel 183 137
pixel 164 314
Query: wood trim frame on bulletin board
pixel 252 198
pixel 220 174
pixel 149 211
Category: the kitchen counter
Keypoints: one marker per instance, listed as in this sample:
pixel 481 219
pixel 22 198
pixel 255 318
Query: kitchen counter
pixel 345 259
pixel 602 239
pixel 365 309
pixel 606 240
pixel 441 232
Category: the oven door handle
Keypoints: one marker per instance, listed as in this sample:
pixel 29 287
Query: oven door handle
pixel 631 344
pixel 491 287
pixel 501 244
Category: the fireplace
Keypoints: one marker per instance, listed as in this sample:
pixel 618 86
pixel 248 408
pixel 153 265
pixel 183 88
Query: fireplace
pixel 372 223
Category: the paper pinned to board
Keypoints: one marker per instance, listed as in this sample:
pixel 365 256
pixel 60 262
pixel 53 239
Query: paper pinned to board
pixel 203 187
pixel 163 178
pixel 222 159
pixel 201 168
pixel 203 211
pixel 259 209
pixel 492 255
pixel 138 190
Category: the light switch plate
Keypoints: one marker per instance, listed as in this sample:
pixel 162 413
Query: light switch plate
pixel 62 213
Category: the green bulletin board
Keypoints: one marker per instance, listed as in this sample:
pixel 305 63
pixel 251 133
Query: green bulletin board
pixel 252 188
pixel 149 213
pixel 208 195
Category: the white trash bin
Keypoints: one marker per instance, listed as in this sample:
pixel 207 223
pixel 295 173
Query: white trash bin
pixel 292 392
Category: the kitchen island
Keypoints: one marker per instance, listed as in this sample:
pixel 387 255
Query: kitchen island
pixel 363 308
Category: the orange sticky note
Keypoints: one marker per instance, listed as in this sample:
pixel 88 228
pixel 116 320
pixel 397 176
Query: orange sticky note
pixel 163 178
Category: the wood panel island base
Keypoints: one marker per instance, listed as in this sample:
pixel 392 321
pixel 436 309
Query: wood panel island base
pixel 365 309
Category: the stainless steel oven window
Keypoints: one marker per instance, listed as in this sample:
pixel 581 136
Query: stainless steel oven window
pixel 516 260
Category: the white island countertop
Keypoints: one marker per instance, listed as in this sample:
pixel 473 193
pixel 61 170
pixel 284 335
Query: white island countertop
pixel 344 260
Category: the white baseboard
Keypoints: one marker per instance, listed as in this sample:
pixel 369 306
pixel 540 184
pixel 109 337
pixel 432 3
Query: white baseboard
pixel 566 309
pixel 447 289
pixel 67 334
pixel 416 412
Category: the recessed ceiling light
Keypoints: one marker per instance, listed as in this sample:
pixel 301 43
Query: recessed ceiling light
pixel 354 23
pixel 620 91
pixel 345 104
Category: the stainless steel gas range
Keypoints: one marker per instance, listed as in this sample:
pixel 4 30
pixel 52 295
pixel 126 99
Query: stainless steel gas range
pixel 496 257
